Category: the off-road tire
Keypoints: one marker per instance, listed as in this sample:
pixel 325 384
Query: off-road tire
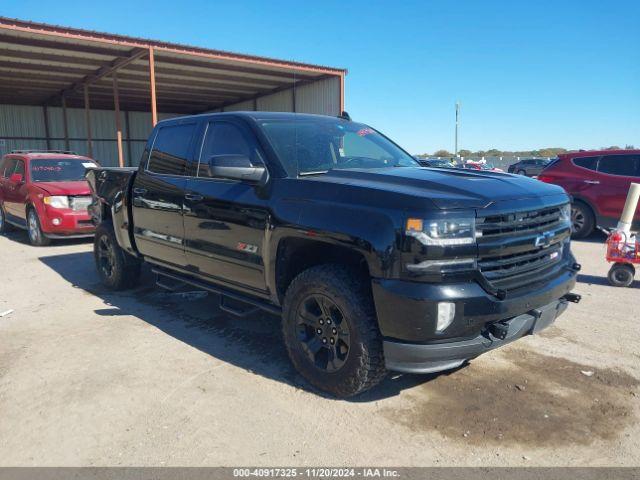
pixel 34 229
pixel 117 269
pixel 364 366
pixel 621 275
pixel 582 211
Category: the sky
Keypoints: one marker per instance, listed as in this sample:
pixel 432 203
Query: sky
pixel 528 74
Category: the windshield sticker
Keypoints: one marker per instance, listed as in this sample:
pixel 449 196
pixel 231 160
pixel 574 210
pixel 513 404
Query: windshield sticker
pixel 88 164
pixel 365 131
pixel 46 168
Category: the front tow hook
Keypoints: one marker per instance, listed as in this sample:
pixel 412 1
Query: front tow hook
pixel 572 297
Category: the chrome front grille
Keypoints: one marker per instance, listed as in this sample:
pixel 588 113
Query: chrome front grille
pixel 518 223
pixel 517 249
pixel 80 203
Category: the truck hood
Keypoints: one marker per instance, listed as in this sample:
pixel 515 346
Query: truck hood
pixel 445 187
pixel 65 188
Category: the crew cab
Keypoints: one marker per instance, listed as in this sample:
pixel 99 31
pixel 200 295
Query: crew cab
pixel 46 193
pixel 373 262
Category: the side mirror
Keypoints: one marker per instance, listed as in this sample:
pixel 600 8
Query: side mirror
pixel 16 178
pixel 235 167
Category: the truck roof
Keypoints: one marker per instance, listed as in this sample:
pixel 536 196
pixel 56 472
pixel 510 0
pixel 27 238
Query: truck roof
pixel 255 115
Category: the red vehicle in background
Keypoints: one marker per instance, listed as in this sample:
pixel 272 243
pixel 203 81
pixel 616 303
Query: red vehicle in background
pixel 45 192
pixel 471 165
pixel 598 182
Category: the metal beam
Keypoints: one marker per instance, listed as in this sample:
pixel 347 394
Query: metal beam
pixel 116 107
pixel 47 133
pixel 104 71
pixel 152 85
pixel 87 119
pixel 65 124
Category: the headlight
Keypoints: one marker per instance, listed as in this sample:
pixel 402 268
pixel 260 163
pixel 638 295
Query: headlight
pixel 57 201
pixel 565 214
pixel 450 231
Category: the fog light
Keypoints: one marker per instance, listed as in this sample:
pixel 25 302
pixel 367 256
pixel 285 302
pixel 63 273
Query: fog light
pixel 56 221
pixel 446 312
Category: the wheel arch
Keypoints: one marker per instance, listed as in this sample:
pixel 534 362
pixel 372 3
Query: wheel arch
pixel 297 254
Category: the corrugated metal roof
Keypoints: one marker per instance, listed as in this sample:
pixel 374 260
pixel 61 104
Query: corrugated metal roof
pixel 40 62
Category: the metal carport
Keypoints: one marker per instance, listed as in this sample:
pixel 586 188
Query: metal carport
pixel 100 94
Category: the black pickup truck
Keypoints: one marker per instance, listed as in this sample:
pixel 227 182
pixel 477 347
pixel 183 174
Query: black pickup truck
pixel 373 262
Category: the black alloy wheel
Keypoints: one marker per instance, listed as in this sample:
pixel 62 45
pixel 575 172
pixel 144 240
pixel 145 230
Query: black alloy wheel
pixel 105 256
pixel 323 333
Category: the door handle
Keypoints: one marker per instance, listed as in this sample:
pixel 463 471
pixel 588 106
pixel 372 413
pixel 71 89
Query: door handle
pixel 592 182
pixel 140 191
pixel 194 197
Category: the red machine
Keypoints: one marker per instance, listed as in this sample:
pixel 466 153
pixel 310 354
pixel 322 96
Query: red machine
pixel 623 248
pixel 624 251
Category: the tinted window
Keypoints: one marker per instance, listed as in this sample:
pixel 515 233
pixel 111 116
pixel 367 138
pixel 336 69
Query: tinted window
pixel 624 165
pixel 170 151
pixel 224 138
pixel 6 167
pixel 586 162
pixel 317 145
pixel 59 170
pixel 9 167
pixel 19 168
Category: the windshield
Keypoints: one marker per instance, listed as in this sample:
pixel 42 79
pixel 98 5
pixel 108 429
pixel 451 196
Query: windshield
pixel 310 145
pixel 59 170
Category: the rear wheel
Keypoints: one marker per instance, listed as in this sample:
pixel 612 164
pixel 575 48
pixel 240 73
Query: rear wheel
pixel 330 331
pixel 582 220
pixel 621 274
pixel 117 269
pixel 522 172
pixel 36 237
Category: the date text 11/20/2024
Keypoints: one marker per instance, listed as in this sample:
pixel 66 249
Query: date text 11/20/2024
pixel 315 472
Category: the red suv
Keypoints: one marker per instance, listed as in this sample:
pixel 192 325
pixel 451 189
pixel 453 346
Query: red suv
pixel 46 194
pixel 599 182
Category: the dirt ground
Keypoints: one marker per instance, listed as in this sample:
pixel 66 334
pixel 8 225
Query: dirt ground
pixel 89 377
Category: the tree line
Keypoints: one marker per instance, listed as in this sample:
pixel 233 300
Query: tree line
pixel 493 152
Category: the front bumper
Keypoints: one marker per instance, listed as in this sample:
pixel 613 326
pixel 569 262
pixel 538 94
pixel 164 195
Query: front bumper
pixel 71 223
pixel 429 358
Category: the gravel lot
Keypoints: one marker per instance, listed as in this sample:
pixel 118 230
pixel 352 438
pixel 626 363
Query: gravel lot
pixel 88 377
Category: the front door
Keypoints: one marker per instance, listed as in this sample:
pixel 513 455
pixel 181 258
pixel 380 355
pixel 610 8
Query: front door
pixel 158 194
pixel 15 196
pixel 226 220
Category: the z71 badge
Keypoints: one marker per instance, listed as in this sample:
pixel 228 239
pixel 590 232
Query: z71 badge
pixel 247 247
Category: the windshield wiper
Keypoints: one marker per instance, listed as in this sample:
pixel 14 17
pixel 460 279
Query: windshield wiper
pixel 319 172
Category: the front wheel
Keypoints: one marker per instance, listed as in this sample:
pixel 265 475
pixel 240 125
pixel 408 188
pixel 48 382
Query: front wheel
pixel 522 172
pixel 582 220
pixel 117 269
pixel 330 331
pixel 36 237
pixel 621 274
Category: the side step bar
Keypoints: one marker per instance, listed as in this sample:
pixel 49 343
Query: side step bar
pixel 224 293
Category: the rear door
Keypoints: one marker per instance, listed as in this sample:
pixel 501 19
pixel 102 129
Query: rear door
pixel 615 174
pixel 15 193
pixel 158 193
pixel 225 220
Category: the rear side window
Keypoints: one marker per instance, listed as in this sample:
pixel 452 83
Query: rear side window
pixel 223 138
pixel 170 152
pixel 8 167
pixel 586 162
pixel 623 165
